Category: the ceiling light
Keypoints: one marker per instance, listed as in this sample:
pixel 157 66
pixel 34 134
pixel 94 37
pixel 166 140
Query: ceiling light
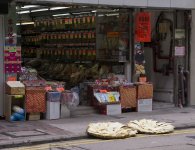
pixel 57 8
pixel 78 13
pixel 23 12
pixel 18 24
pixel 57 15
pixel 37 10
pixel 94 11
pixel 29 6
pixel 27 23
pixel 117 14
pixel 100 15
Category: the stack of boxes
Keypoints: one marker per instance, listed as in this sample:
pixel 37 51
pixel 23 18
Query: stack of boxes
pixel 12 59
pixel 144 97
pixel 14 98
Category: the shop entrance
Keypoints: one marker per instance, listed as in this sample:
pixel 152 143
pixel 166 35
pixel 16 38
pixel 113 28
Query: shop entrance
pixel 74 44
pixel 167 57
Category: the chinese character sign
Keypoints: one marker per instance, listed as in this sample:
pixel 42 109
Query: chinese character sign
pixel 143 27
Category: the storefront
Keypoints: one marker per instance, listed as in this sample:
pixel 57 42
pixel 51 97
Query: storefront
pixel 77 44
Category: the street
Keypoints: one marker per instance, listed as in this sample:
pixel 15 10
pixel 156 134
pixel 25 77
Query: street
pixel 179 140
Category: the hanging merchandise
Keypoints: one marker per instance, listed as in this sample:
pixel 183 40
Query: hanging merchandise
pixel 139 59
pixel 143 27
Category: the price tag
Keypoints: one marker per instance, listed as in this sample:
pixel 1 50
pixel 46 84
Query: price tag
pixel 12 49
pixel 18 96
pixel 60 89
pixel 103 91
pixel 11 78
pixel 48 88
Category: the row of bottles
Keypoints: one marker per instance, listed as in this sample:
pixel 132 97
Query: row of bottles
pixel 63 38
pixel 73 23
pixel 87 53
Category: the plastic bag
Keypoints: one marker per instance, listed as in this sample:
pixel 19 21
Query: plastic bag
pixel 70 99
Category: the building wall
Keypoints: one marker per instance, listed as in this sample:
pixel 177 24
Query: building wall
pixel 1 65
pixel 192 61
pixel 133 3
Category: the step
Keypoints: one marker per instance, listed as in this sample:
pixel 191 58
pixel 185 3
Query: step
pixel 84 110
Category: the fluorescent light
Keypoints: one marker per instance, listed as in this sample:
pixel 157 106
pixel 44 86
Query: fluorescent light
pixel 29 6
pixel 75 13
pixel 23 12
pixel 57 8
pixel 18 24
pixel 57 15
pixel 117 14
pixel 94 11
pixel 37 10
pixel 27 23
pixel 100 15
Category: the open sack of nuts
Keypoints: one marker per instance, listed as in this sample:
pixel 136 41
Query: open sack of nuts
pixel 116 130
pixel 110 130
pixel 151 126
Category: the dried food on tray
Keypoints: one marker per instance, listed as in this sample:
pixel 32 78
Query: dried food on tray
pixel 110 130
pixel 151 126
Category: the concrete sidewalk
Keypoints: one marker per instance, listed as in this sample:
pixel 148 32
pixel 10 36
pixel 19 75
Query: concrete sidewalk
pixel 31 132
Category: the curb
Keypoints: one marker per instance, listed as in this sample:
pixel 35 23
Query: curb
pixel 29 142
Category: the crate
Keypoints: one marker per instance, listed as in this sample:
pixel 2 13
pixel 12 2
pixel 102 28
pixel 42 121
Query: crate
pixel 33 116
pixel 10 101
pixel 110 109
pixel 144 91
pixel 15 88
pixel 35 100
pixel 128 96
pixel 53 110
pixel 144 105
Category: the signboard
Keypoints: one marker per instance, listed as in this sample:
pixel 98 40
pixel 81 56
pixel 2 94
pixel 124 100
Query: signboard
pixel 143 27
pixel 179 33
pixel 179 51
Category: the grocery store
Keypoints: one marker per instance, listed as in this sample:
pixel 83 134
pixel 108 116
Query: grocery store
pixel 63 59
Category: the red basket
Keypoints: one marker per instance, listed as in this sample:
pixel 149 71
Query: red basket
pixel 35 100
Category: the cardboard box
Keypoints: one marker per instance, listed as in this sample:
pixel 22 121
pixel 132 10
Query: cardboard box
pixel 144 105
pixel 110 109
pixel 34 116
pixel 64 112
pixel 114 109
pixel 15 88
pixel 53 110
pixel 10 101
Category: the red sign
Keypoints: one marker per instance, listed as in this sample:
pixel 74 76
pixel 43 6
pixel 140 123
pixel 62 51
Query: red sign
pixel 143 27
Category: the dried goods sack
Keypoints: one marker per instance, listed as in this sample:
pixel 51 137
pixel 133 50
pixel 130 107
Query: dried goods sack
pixel 151 126
pixel 110 130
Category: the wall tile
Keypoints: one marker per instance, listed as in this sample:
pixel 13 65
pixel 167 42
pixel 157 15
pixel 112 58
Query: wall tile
pixel 159 3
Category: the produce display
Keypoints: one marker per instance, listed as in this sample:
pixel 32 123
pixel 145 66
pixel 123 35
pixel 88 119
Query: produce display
pixel 151 126
pixel 110 130
pixel 71 73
